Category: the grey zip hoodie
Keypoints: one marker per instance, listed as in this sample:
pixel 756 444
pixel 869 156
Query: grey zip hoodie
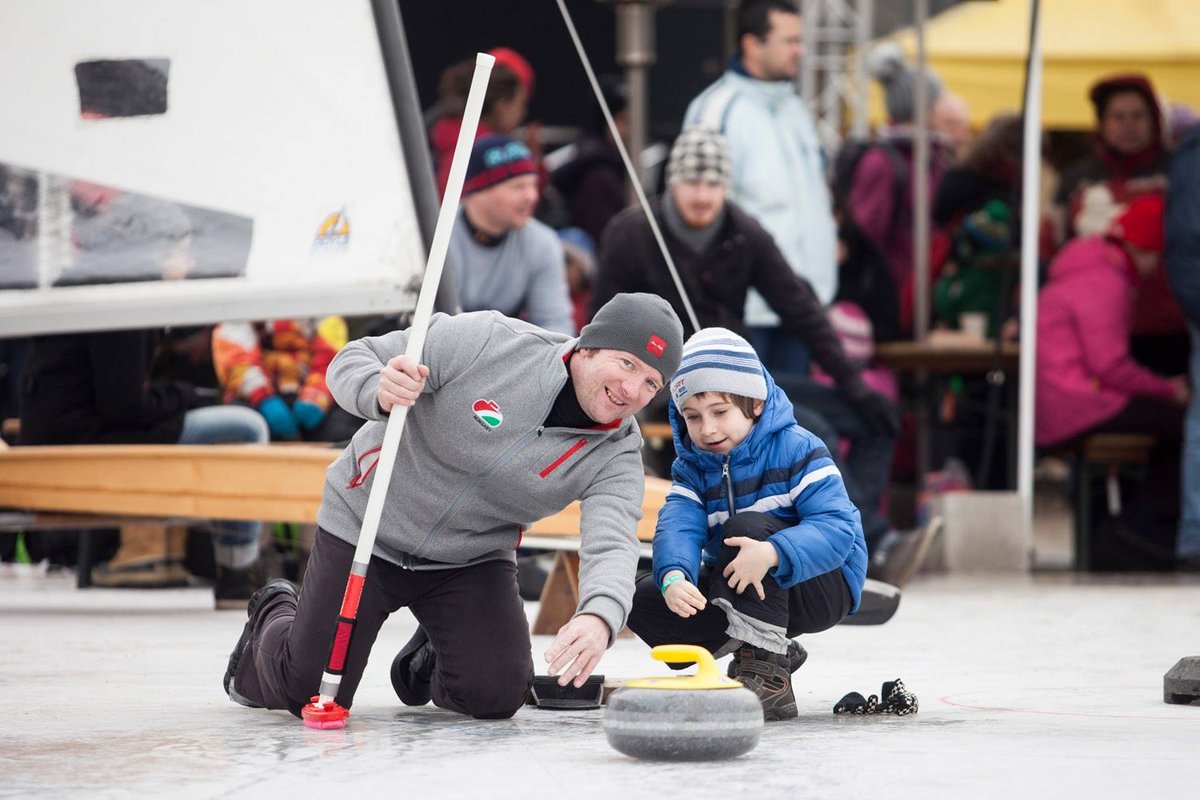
pixel 475 466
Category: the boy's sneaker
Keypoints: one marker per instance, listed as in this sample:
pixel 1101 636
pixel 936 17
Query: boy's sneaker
pixel 796 656
pixel 412 670
pixel 258 603
pixel 766 674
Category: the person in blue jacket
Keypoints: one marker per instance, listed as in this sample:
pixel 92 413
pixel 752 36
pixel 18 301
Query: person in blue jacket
pixel 757 541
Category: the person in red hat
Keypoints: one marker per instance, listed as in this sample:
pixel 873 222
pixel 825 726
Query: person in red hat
pixel 1086 379
pixel 505 105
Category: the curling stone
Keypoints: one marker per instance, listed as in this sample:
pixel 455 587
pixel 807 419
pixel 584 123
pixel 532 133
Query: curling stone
pixel 701 717
pixel 1181 684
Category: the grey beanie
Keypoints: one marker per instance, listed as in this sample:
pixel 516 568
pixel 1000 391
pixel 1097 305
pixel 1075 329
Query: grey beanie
pixel 718 360
pixel 638 323
pixel 700 154
pixel 887 64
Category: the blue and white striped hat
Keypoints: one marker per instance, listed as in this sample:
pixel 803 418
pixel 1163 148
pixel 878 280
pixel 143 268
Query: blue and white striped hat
pixel 718 360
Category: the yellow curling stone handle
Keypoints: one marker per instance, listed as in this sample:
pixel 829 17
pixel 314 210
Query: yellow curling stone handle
pixel 707 676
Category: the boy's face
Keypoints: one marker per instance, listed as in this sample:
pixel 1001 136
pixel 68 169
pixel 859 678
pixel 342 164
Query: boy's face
pixel 715 424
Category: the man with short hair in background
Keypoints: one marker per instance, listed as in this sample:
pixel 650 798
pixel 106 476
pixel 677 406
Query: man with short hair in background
pixel 778 166
pixel 501 257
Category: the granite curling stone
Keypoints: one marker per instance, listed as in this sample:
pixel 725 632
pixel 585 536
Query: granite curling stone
pixel 701 717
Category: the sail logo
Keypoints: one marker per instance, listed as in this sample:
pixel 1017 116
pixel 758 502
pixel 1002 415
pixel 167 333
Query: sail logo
pixel 333 233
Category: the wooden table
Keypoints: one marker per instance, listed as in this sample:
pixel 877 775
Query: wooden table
pixel 949 353
pixel 951 357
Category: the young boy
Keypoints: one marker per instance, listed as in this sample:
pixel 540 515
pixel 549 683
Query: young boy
pixel 757 541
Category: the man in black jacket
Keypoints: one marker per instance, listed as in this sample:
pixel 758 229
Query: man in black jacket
pixel 721 253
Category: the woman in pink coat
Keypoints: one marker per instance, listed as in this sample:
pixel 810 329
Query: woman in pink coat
pixel 1086 379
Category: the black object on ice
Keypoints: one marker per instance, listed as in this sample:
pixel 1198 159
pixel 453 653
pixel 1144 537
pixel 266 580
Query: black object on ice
pixel 1181 684
pixel 546 693
pixel 878 604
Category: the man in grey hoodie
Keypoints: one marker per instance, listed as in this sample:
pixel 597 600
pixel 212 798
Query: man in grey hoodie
pixel 509 424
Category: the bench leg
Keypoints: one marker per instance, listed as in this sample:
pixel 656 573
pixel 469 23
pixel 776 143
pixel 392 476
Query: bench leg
pixel 1083 519
pixel 560 595
pixel 86 559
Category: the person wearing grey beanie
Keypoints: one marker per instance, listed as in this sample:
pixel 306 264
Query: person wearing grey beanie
pixel 507 423
pixel 887 65
pixel 878 175
pixel 641 324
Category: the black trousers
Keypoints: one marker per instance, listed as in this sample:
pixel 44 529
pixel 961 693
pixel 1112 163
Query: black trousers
pixel 473 615
pixel 808 607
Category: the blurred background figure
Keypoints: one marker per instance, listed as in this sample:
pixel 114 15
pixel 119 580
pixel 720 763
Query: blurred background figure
pixel 778 173
pixel 278 369
pixel 1129 159
pixel 1087 382
pixel 879 199
pixel 950 121
pixel 502 258
pixel 592 183
pixel 1182 258
pixel 504 108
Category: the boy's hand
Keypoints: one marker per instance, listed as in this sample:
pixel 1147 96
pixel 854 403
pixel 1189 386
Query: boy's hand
pixel 683 597
pixel 752 562
pixel 401 382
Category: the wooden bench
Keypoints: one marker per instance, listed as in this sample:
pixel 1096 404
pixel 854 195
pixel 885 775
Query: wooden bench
pixel 130 483
pixel 1110 455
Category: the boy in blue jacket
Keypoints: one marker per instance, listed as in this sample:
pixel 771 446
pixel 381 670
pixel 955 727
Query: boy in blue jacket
pixel 757 541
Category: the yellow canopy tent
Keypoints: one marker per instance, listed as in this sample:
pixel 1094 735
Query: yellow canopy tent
pixel 978 49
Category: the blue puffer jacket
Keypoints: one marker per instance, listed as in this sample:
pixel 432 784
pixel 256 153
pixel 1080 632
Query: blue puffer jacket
pixel 779 469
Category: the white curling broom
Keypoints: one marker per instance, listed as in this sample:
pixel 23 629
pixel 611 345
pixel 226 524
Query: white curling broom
pixel 322 711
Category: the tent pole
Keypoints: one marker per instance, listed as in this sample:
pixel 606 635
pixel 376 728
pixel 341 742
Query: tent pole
pixel 1030 206
pixel 920 276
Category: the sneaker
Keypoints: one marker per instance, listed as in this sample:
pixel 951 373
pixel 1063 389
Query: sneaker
pixel 259 602
pixel 901 554
pixel 796 655
pixel 156 573
pixel 412 670
pixel 766 674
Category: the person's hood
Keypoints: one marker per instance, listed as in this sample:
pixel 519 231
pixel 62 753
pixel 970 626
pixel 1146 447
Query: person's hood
pixel 776 416
pixel 1100 94
pixel 1081 258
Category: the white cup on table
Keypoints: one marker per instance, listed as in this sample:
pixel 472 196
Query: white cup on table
pixel 974 324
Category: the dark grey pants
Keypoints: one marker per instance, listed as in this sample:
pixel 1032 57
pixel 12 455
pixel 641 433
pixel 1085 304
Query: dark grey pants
pixel 808 607
pixel 474 617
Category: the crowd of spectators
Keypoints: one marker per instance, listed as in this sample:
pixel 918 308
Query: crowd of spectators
pixel 807 253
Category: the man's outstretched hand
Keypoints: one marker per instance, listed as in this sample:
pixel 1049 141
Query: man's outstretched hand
pixel 576 650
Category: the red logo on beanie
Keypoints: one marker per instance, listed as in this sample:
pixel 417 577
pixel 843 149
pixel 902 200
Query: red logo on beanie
pixel 656 346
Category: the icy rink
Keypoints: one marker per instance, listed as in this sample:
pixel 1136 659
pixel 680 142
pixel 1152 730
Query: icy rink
pixel 1041 687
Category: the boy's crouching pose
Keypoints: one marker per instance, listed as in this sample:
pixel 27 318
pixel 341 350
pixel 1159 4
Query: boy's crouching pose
pixel 757 541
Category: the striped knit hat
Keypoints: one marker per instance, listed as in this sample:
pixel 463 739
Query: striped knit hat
pixel 699 154
pixel 718 360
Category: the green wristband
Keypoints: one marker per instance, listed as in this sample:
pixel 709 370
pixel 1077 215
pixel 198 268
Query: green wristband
pixel 672 578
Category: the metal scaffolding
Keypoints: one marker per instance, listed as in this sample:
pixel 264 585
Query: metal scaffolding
pixel 833 76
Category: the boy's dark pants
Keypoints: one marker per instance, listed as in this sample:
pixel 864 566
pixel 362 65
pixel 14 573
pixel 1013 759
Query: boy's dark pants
pixel 474 618
pixel 809 607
